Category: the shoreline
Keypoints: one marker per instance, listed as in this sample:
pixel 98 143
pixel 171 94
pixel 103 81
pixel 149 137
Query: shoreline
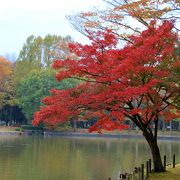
pixel 106 135
pixel 89 135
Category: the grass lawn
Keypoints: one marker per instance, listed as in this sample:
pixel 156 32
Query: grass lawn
pixel 170 174
pixel 7 129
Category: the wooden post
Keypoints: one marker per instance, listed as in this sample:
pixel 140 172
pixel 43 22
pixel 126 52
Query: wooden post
pixel 149 165
pixel 165 163
pixel 147 169
pixel 174 162
pixel 142 171
pixel 139 173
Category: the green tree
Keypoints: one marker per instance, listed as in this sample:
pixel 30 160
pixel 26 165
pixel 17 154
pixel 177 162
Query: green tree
pixel 36 86
pixel 6 81
pixel 38 53
pixel 42 51
pixel 54 47
pixel 33 76
pixel 6 89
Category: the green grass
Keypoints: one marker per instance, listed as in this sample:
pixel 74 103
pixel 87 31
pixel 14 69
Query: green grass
pixel 170 174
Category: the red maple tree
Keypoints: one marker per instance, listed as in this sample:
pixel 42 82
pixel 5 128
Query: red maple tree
pixel 138 82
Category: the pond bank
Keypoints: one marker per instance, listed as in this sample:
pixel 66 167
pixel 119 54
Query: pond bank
pixel 107 135
pixel 10 131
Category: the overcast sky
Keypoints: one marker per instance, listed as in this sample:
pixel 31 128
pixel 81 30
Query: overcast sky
pixel 21 18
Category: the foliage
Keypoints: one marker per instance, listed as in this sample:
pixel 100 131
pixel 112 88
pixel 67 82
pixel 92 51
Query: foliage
pixel 30 127
pixel 63 127
pixel 135 82
pixel 44 50
pixel 126 82
pixel 34 87
pixel 6 81
pixel 126 17
pixel 33 76
pixel 38 53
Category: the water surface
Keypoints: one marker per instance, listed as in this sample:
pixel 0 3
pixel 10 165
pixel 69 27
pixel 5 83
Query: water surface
pixel 60 158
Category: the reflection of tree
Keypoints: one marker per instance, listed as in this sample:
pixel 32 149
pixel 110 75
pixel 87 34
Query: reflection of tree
pixel 11 151
pixel 73 158
pixel 11 147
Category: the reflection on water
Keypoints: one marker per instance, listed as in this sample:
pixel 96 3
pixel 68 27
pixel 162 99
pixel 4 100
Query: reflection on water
pixel 56 158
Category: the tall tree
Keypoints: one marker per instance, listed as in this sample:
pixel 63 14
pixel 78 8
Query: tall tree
pixel 43 51
pixel 32 72
pixel 132 83
pixel 54 47
pixel 38 53
pixel 6 84
pixel 6 88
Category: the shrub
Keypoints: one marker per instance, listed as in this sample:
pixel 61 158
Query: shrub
pixel 30 127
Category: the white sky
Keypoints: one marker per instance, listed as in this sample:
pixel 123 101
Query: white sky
pixel 21 18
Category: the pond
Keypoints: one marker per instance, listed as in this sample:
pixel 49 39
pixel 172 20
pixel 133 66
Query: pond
pixel 64 158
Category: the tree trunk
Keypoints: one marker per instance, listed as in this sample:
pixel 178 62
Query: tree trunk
pixel 151 139
pixel 163 128
pixel 74 125
pixel 158 165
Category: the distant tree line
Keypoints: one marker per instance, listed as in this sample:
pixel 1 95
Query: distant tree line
pixel 30 78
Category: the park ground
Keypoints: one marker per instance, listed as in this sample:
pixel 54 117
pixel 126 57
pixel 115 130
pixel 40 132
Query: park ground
pixel 170 174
